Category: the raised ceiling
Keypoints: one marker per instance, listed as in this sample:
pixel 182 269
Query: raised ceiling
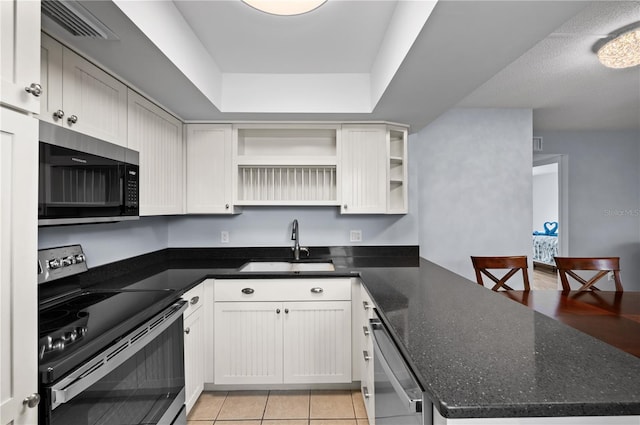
pixel 467 54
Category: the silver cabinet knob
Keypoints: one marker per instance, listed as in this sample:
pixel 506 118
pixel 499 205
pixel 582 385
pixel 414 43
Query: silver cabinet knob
pixel 35 89
pixel 277 311
pixel 286 310
pixel 366 355
pixel 226 206
pixel 365 305
pixel 32 401
pixel 72 119
pixel 346 206
pixel 247 291
pixel 317 290
pixel 187 330
pixel 194 300
pixel 366 331
pixel 365 392
pixel 58 114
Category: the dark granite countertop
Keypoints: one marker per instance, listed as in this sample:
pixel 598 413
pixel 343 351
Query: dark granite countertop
pixel 477 354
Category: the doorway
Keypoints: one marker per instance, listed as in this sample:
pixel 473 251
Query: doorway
pixel 549 219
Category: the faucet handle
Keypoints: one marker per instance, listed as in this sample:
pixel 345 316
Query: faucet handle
pixel 305 250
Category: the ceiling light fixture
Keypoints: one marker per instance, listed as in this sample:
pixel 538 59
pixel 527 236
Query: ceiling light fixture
pixel 285 7
pixel 622 50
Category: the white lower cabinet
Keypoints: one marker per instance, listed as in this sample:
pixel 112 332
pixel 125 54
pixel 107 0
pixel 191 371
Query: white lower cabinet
pixel 282 331
pixel 366 358
pixel 194 345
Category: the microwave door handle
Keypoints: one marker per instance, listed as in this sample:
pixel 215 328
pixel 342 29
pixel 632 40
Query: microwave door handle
pixel 414 405
pixel 101 365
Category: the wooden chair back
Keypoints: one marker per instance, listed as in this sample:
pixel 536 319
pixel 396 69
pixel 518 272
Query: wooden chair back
pixel 482 265
pixel 603 265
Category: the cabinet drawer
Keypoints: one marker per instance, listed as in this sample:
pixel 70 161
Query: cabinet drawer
pixel 195 297
pixel 283 290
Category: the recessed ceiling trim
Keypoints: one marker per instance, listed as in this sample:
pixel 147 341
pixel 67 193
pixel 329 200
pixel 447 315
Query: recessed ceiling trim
pixel 285 7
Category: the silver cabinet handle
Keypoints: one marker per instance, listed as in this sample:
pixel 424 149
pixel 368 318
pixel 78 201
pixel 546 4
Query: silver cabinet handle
pixel 194 300
pixel 365 392
pixel 277 311
pixel 366 355
pixel 366 331
pixel 58 114
pixel 346 206
pixel 35 89
pixel 32 401
pixel 317 290
pixel 187 330
pixel 226 206
pixel 365 304
pixel 286 311
pixel 72 119
pixel 247 291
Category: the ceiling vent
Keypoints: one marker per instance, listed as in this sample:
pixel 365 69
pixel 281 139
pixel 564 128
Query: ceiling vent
pixel 537 144
pixel 75 19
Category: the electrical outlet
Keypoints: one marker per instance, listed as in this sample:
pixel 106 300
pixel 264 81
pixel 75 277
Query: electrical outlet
pixel 224 236
pixel 355 236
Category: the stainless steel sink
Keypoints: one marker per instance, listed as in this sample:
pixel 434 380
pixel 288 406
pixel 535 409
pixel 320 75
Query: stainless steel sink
pixel 286 266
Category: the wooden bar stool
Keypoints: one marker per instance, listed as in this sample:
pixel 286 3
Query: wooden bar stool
pixel 603 265
pixel 514 263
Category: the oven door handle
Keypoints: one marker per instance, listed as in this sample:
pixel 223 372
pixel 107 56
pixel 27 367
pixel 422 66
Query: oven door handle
pixel 380 333
pixel 105 362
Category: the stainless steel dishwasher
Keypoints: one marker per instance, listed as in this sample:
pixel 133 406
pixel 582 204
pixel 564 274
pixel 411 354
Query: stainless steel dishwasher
pixel 398 397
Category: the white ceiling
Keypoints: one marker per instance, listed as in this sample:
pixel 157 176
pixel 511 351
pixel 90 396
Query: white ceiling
pixel 525 54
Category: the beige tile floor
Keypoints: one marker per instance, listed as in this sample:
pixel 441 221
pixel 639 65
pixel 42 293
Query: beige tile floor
pixel 303 407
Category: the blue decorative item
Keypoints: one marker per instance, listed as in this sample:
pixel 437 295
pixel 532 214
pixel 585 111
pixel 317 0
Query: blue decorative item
pixel 551 228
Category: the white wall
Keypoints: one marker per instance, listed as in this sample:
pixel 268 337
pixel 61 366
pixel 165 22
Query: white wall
pixel 108 242
pixel 545 198
pixel 475 186
pixel 603 198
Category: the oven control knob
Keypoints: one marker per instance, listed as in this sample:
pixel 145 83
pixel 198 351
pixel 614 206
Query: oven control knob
pixel 71 336
pixel 80 258
pixel 67 261
pixel 81 331
pixel 58 345
pixel 54 264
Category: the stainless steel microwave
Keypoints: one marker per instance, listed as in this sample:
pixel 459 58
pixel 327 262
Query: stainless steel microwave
pixel 85 180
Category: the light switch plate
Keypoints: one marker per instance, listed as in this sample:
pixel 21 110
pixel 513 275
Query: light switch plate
pixel 355 236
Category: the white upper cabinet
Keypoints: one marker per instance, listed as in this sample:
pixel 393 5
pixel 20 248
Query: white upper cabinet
pixel 20 45
pixel 209 169
pixel 364 165
pixel 157 136
pixel 81 96
pixel 374 169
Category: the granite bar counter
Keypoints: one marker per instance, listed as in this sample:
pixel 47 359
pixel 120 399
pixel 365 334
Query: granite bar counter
pixel 476 353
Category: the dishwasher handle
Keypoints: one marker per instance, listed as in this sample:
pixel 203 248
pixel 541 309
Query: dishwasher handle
pixel 381 337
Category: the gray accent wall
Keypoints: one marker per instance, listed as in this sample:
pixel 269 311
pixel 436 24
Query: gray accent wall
pixel 603 196
pixel 475 186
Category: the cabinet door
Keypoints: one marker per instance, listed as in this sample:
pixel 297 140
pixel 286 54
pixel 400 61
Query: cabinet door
pixel 364 169
pixel 18 257
pixel 51 79
pixel 19 62
pixel 95 100
pixel 193 356
pixel 248 342
pixel 209 164
pixel 317 342
pixel 157 136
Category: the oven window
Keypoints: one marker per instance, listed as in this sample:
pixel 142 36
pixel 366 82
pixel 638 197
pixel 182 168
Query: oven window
pixel 139 391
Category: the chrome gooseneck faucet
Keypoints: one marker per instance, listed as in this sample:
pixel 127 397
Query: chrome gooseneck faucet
pixel 295 236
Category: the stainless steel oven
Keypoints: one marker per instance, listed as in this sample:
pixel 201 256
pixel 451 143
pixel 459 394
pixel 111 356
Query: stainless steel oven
pixel 84 180
pixel 107 356
pixel 399 399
